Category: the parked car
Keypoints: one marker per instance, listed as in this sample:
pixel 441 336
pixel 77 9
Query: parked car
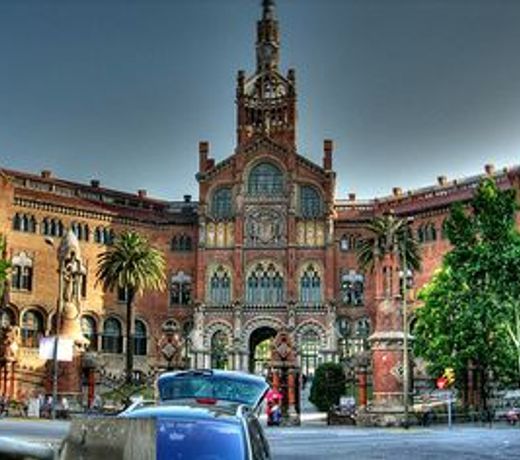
pixel 208 415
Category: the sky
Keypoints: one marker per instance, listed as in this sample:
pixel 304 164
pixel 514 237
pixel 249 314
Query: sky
pixel 123 90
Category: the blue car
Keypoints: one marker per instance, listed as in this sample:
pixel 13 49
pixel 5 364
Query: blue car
pixel 208 415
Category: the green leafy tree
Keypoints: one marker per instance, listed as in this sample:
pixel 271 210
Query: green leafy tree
pixel 135 266
pixel 388 234
pixel 470 313
pixel 328 386
pixel 5 266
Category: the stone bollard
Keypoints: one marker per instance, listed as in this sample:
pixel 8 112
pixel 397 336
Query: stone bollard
pixel 113 438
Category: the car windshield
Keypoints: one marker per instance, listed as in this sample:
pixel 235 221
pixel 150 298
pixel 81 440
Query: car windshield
pixel 221 388
pixel 199 440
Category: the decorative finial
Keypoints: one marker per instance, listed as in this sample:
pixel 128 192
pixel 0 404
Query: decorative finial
pixel 268 9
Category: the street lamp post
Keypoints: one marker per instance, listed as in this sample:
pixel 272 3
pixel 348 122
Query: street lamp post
pixel 405 276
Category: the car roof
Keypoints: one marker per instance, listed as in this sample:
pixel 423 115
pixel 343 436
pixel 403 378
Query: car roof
pixel 185 412
pixel 215 372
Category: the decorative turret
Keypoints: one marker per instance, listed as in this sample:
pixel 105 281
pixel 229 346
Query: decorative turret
pixel 266 101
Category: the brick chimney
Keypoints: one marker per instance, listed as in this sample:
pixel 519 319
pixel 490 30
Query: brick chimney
pixel 397 191
pixel 46 174
pixel 94 183
pixel 141 193
pixel 352 197
pixel 442 180
pixel 489 169
pixel 328 147
pixel 203 155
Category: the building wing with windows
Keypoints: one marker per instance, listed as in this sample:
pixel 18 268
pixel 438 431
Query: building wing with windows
pixel 267 246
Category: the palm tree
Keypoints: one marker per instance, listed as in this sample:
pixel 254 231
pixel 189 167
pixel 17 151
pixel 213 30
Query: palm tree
pixel 389 234
pixel 135 266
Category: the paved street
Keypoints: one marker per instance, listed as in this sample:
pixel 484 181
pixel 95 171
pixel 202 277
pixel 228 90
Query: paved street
pixel 377 444
pixel 335 443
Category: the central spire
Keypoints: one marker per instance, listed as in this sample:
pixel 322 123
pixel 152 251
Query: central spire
pixel 267 44
pixel 268 7
pixel 266 100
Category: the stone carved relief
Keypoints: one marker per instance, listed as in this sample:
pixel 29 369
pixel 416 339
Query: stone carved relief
pixel 265 227
pixel 9 342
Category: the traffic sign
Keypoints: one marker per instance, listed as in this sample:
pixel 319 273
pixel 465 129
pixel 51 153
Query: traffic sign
pixel 442 382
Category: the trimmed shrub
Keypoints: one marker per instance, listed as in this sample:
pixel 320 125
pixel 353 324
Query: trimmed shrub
pixel 328 385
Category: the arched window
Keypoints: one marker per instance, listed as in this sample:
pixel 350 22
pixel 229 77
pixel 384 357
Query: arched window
pixel 185 243
pixel 181 243
pixel 343 332
pixel 140 341
pixel 46 227
pixel 80 230
pixel 21 272
pixel 89 330
pixel 310 202
pixel 265 285
pixel 363 327
pixel 24 223
pixel 444 229
pixel 220 287
pixel 431 232
pixel 7 318
pixel 32 328
pixel 265 179
pixel 309 352
pixel 352 288
pixel 112 337
pixel 219 350
pixel 104 235
pixel 52 227
pixel 427 233
pixel 17 222
pixel 349 242
pixel 99 235
pixel 108 236
pixel 420 234
pixel 310 285
pixel 180 289
pixel 221 203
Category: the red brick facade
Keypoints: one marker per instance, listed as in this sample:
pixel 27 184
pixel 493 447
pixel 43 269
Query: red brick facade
pixel 267 246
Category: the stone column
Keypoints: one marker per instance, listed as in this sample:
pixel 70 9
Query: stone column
pixel 362 385
pixel 276 380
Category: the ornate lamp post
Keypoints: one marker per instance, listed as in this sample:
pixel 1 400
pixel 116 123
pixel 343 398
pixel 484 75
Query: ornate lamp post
pixel 406 279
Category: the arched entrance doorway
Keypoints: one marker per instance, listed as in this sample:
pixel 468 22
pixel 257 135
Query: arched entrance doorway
pixel 260 349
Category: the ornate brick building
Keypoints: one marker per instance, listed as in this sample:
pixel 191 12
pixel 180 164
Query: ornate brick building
pixel 267 246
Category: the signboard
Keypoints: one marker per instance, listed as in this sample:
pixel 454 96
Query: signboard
pixel 65 348
pixel 443 395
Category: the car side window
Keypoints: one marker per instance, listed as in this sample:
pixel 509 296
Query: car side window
pixel 259 444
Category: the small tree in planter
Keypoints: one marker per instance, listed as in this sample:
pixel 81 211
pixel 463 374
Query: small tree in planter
pixel 328 386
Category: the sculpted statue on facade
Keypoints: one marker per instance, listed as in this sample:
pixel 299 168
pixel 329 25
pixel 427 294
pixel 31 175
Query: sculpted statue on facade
pixel 9 342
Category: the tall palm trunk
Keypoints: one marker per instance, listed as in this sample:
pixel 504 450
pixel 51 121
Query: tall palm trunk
pixel 130 332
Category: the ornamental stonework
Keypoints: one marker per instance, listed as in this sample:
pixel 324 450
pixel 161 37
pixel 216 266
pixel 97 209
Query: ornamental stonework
pixel 265 227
